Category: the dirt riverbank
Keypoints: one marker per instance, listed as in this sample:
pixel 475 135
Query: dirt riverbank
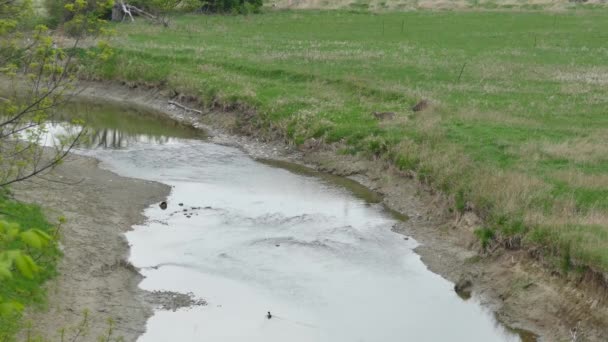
pixel 518 288
pixel 93 274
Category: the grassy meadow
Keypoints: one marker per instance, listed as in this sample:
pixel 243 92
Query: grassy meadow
pixel 518 122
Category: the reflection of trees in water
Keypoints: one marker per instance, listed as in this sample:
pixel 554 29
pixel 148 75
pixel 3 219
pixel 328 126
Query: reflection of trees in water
pixel 108 138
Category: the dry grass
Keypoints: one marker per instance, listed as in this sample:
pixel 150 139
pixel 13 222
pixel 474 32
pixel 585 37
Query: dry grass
pixel 511 191
pixel 578 179
pixel 564 213
pixel 422 4
pixel 589 149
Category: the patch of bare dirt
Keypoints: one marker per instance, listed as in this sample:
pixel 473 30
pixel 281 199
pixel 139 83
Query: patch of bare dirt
pixel 94 275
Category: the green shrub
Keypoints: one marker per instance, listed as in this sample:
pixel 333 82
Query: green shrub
pixel 485 236
pixel 460 201
pixel 28 257
pixel 232 6
pixel 57 14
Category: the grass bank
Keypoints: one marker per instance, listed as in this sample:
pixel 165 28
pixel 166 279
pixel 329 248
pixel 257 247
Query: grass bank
pixel 517 128
pixel 408 5
pixel 29 292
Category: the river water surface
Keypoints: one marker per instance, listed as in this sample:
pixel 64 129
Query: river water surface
pixel 249 238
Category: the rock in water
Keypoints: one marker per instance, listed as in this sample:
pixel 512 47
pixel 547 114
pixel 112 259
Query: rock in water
pixel 464 288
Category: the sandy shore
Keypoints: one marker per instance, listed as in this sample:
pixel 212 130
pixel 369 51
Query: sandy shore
pixel 94 275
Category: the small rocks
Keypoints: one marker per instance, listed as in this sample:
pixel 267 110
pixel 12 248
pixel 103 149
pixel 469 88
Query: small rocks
pixel 181 204
pixel 172 301
pixel 420 106
pixel 163 205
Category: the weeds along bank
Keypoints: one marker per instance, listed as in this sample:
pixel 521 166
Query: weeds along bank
pixel 516 128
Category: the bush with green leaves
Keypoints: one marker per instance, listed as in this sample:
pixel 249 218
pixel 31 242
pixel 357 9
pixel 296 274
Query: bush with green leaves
pixel 232 6
pixel 15 259
pixel 62 11
pixel 29 254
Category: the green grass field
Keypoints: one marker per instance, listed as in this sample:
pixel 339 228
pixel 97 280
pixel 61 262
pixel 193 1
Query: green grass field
pixel 521 133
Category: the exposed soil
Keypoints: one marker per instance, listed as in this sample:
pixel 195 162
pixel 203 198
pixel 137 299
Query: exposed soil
pixel 94 274
pixel 518 288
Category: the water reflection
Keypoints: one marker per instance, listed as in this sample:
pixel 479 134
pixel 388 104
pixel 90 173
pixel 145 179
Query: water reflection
pixel 107 138
pixel 113 127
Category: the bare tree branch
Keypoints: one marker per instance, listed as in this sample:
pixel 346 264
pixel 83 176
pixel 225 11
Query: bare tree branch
pixel 49 165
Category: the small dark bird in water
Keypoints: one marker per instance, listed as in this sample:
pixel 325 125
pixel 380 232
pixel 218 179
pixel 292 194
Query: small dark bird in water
pixel 163 205
pixel 269 315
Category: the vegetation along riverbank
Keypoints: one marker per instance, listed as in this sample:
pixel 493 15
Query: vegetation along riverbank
pixel 513 125
pixel 496 111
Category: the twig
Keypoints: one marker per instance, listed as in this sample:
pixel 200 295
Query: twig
pixel 52 164
pixel 461 71
pixel 177 104
pixel 574 332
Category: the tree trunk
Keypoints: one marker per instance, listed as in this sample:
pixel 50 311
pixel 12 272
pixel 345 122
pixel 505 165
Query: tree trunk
pixel 117 14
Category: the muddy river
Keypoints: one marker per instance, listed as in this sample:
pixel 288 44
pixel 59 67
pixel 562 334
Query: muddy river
pixel 251 237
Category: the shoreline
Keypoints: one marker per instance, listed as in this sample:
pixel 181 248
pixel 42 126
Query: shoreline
pixel 522 293
pixel 94 274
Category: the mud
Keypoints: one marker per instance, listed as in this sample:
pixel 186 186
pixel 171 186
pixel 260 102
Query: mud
pixel 99 207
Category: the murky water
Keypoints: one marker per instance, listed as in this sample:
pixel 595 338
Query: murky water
pixel 250 237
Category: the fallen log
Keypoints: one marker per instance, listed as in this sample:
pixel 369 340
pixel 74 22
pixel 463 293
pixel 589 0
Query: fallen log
pixel 126 10
pixel 141 12
pixel 188 109
pixel 121 10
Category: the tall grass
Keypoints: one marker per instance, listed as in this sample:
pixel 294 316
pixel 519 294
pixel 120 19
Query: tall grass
pixel 517 123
